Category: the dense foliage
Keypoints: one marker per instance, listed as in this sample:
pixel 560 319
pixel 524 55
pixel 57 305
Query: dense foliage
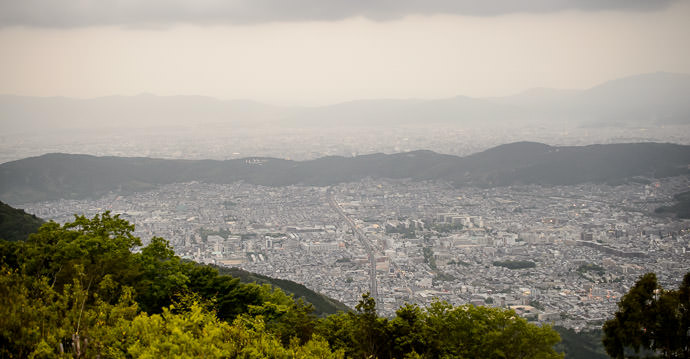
pixel 90 289
pixel 651 320
pixel 591 267
pixel 585 344
pixel 681 209
pixel 15 224
pixel 439 331
pixel 322 304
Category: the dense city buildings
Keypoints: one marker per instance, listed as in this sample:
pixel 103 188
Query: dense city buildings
pixel 559 254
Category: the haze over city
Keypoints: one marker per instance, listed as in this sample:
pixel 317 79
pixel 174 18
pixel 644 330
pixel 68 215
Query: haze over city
pixel 320 53
pixel 487 156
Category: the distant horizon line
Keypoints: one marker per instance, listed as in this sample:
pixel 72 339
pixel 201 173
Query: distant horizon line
pixel 344 101
pixel 420 150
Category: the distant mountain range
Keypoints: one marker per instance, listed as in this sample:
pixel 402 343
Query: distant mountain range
pixel 656 98
pixel 643 100
pixel 55 176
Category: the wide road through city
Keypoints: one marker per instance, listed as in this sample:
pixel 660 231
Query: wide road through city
pixel 373 288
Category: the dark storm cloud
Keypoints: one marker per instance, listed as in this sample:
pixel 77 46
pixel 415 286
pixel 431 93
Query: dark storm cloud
pixel 77 13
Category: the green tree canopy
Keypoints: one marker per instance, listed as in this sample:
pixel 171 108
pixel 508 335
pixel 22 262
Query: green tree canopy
pixel 651 319
pixel 79 290
pixel 438 331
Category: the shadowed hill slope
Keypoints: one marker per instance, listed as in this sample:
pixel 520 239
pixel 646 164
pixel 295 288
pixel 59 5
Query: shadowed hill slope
pixel 55 176
pixel 15 224
pixel 322 305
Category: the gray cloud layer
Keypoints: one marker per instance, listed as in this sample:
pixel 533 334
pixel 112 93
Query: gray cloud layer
pixel 78 13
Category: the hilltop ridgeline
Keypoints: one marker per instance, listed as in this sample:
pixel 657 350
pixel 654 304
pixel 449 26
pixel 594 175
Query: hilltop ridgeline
pixel 15 224
pixel 644 100
pixel 70 176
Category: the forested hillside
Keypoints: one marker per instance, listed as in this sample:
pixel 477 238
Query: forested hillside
pixel 322 304
pixel 56 176
pixel 15 224
pixel 680 209
pixel 581 345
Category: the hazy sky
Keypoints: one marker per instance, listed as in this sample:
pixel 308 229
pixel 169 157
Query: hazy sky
pixel 312 52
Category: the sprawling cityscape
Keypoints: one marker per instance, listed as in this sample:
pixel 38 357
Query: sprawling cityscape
pixel 345 179
pixel 560 254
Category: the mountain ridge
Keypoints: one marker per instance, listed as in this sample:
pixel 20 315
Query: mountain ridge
pixel 639 100
pixel 56 176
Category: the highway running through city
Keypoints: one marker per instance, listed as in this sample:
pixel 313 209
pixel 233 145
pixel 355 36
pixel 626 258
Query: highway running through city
pixel 373 288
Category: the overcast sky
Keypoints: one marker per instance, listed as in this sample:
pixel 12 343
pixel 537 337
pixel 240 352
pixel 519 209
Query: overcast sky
pixel 313 52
